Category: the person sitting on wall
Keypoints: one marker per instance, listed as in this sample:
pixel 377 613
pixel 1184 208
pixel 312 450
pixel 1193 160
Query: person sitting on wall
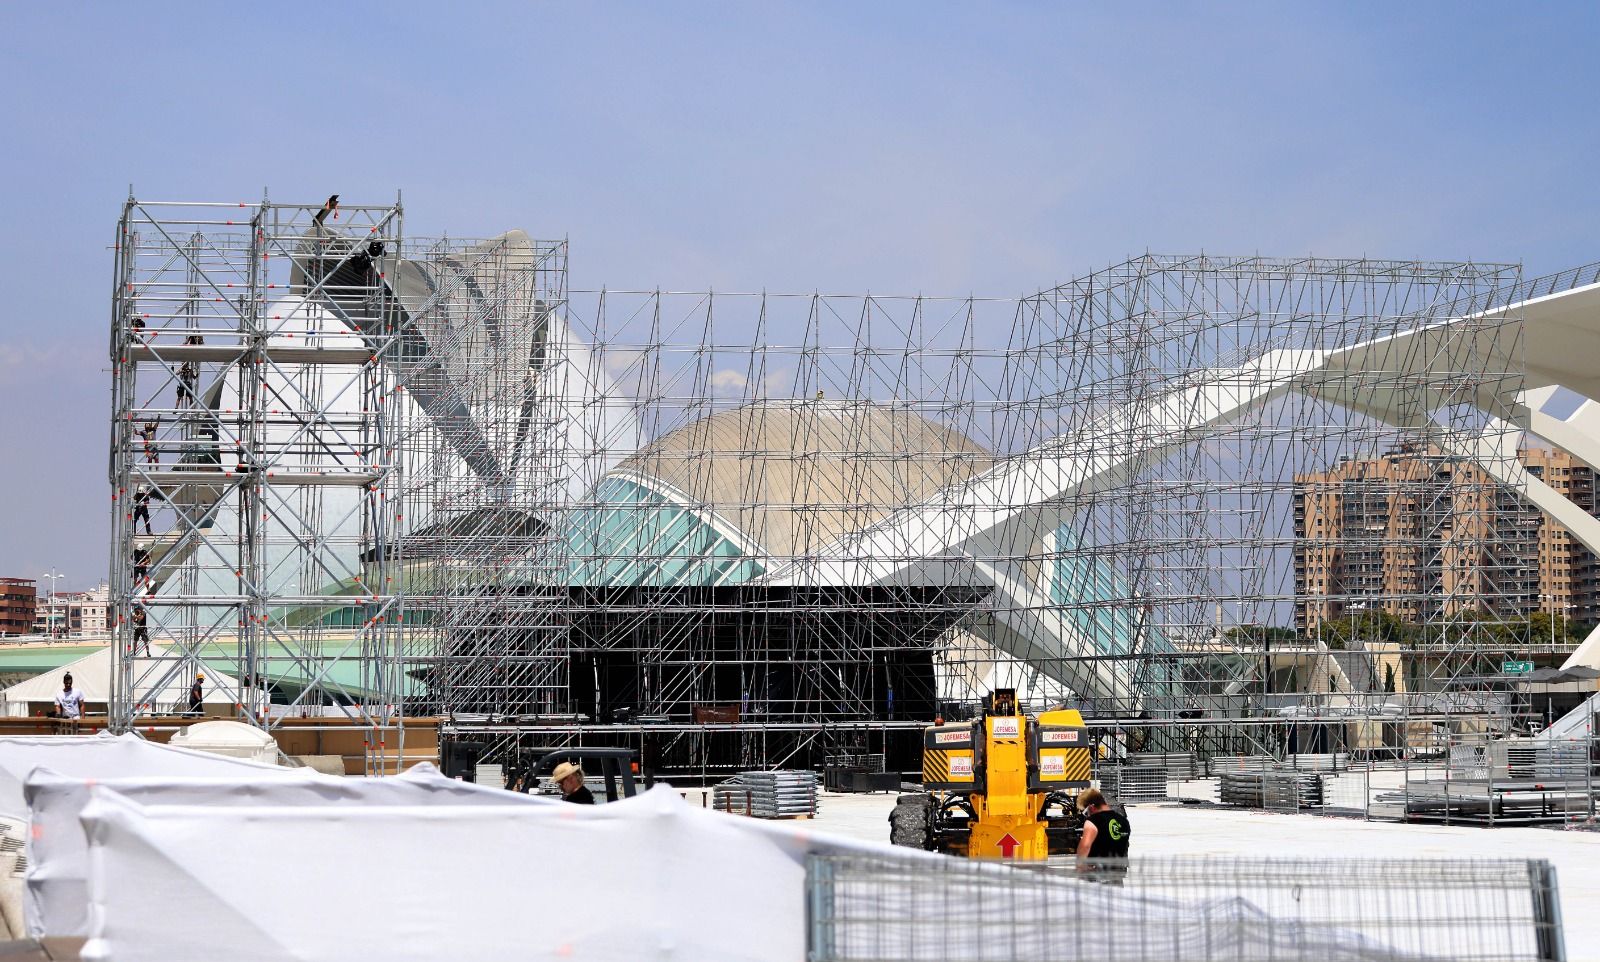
pixel 569 778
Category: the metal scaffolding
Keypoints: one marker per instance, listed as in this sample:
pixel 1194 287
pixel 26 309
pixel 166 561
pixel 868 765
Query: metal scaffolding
pixel 808 523
pixel 1207 499
pixel 333 465
pixel 253 465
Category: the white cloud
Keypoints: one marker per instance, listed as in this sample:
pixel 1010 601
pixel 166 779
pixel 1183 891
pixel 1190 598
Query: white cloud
pixel 728 381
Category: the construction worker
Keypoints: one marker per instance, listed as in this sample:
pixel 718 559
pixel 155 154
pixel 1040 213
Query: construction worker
pixel 569 778
pixel 141 508
pixel 141 627
pixel 197 695
pixel 147 434
pixel 69 701
pixel 1106 830
pixel 189 375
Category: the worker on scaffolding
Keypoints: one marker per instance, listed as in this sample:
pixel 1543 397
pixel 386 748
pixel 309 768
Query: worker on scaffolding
pixel 147 435
pixel 197 695
pixel 141 626
pixel 141 508
pixel 569 778
pixel 189 375
pixel 188 383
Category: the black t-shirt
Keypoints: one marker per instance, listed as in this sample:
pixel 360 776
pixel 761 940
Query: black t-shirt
pixel 1111 836
pixel 580 797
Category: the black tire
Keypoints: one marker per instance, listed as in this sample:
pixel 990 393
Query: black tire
pixel 911 822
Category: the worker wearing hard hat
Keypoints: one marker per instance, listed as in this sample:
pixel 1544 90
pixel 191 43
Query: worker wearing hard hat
pixel 197 695
pixel 569 778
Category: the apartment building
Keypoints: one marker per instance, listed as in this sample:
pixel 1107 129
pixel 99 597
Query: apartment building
pixel 74 614
pixel 18 605
pixel 1421 536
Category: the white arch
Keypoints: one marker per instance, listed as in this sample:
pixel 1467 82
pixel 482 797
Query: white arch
pixel 969 527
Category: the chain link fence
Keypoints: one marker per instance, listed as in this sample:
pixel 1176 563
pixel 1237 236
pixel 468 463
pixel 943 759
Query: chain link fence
pixel 873 908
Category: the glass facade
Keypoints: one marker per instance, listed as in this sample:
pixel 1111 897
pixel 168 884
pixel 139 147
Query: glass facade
pixel 1093 597
pixel 631 536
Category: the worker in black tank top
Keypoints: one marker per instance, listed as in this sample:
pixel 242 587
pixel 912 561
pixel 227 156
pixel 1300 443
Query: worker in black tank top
pixel 1106 830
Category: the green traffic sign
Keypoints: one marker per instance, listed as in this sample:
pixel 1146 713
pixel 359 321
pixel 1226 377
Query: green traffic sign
pixel 1517 667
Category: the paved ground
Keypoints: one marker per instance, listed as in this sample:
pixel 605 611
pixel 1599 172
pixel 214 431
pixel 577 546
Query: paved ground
pixel 1171 829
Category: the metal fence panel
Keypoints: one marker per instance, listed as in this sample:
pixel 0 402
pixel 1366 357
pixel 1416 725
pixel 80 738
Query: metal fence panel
pixel 876 908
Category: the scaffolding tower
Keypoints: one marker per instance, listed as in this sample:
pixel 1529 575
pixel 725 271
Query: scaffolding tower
pixel 254 463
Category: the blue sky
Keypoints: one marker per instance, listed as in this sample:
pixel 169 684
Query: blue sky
pixel 940 148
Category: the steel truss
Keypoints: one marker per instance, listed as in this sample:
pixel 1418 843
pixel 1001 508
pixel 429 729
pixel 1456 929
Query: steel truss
pixel 395 477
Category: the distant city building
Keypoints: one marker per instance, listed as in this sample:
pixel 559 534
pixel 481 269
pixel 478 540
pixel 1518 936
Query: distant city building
pixel 1569 574
pixel 1423 536
pixel 18 605
pixel 74 614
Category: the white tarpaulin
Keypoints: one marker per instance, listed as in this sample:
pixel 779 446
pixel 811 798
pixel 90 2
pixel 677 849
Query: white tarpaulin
pixel 85 756
pixel 107 756
pixel 58 852
pixel 645 878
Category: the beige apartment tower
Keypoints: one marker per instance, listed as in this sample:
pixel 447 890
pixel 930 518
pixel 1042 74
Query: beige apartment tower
pixel 1424 536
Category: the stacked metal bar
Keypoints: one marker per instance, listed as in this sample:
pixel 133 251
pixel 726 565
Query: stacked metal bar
pixel 1181 765
pixel 1281 789
pixel 1527 758
pixel 774 794
pixel 1134 783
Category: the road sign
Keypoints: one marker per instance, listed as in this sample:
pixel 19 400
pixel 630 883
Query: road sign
pixel 1007 845
pixel 1516 667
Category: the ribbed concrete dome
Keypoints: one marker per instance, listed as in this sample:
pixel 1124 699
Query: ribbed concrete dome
pixel 794 475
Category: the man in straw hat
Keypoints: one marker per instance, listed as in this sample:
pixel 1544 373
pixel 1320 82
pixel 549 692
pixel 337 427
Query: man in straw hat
pixel 569 778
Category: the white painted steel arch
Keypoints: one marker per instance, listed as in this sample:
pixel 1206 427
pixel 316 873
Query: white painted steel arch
pixel 962 530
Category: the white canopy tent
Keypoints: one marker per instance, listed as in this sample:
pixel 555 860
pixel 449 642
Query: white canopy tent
pixel 91 675
pixel 58 850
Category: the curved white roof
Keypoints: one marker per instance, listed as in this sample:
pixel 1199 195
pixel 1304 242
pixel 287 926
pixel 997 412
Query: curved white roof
pixel 795 476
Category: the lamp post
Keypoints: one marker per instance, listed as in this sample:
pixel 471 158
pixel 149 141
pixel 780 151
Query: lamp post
pixel 50 606
pixel 1553 609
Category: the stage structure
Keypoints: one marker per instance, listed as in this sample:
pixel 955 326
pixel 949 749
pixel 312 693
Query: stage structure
pixel 821 520
pixel 393 477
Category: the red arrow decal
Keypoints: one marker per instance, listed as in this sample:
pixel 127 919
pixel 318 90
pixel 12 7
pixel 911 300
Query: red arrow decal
pixel 1007 845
